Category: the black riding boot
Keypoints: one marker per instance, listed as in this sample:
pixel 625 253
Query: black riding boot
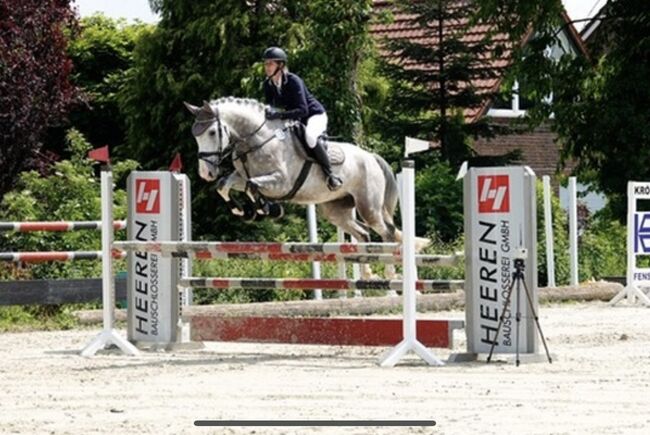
pixel 320 154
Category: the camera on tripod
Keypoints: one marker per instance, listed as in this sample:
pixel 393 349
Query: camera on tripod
pixel 520 253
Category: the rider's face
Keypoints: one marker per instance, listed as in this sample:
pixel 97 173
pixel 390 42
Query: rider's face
pixel 271 67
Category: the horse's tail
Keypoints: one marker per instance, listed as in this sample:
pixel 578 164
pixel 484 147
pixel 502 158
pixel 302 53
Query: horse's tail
pixel 390 192
pixel 390 203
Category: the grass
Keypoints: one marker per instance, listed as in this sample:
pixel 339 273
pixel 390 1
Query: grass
pixel 38 317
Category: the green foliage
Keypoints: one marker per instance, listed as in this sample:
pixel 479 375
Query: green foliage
pixel 275 269
pixel 602 249
pixel 70 193
pixel 602 111
pixel 599 103
pixel 202 50
pixel 601 245
pixel 515 18
pixel 528 29
pixel 102 53
pixel 439 196
pixel 560 239
pixel 440 247
pixel 433 85
pixel 15 318
pixel 335 39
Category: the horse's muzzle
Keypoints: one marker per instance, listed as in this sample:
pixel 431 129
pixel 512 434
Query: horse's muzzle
pixel 208 172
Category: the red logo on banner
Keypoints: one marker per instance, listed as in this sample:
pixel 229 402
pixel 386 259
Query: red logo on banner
pixel 147 199
pixel 493 194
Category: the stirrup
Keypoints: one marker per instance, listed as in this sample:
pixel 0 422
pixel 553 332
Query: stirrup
pixel 334 183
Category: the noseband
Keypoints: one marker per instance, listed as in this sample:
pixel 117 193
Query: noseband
pixel 199 127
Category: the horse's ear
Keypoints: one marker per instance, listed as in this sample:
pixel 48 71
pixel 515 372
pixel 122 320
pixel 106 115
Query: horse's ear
pixel 193 109
pixel 207 108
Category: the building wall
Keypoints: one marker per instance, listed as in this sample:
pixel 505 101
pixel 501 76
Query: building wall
pixel 538 147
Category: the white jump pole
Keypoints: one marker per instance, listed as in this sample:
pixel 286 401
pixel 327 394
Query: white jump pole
pixel 409 341
pixel 548 225
pixel 109 335
pixel 573 231
pixel 312 226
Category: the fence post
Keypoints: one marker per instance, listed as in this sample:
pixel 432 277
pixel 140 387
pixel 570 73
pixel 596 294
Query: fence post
pixel 548 225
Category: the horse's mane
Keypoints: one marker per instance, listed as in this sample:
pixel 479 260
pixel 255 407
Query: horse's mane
pixel 247 102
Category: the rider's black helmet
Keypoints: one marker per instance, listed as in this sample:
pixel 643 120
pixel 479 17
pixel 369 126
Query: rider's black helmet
pixel 275 53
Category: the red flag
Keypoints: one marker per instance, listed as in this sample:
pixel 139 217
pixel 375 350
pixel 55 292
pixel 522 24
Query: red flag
pixel 177 164
pixel 100 154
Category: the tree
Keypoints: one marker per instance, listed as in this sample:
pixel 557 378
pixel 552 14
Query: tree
pixel 429 89
pixel 599 105
pixel 336 37
pixel 35 88
pixel 71 192
pixel 602 112
pixel 102 53
pixel 207 49
pixel 435 81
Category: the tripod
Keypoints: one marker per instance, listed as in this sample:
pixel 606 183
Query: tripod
pixel 518 279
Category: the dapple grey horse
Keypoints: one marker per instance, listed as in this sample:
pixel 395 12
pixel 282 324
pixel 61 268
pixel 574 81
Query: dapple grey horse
pixel 268 161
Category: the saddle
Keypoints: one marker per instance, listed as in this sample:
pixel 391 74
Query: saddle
pixel 334 151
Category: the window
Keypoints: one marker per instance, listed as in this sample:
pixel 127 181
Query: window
pixel 509 107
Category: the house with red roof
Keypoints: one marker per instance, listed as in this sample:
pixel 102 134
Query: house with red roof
pixel 538 147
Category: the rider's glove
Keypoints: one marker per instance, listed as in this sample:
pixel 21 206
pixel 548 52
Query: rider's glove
pixel 272 114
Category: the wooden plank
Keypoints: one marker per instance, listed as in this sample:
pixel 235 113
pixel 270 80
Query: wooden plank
pixel 56 291
pixel 320 330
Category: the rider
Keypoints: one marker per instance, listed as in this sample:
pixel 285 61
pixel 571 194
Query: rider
pixel 288 91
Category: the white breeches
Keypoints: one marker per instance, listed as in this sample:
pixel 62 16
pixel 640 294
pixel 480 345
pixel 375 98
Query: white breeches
pixel 316 125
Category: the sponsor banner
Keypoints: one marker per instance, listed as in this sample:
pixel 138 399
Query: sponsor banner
pixel 640 190
pixel 642 233
pixel 641 277
pixel 500 228
pixel 638 234
pixel 154 215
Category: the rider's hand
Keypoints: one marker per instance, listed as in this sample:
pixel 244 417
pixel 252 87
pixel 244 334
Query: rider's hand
pixel 272 114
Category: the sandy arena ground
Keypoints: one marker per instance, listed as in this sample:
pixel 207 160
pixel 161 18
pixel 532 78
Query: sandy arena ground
pixel 600 383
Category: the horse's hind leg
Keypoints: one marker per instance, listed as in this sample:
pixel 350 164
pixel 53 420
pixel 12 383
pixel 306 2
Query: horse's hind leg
pixel 341 214
pixel 372 214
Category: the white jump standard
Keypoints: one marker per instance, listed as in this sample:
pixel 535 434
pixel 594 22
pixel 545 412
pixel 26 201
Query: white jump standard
pixel 638 245
pixel 109 335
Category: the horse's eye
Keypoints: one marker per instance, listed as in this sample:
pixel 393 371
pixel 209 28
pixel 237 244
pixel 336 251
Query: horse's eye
pixel 212 132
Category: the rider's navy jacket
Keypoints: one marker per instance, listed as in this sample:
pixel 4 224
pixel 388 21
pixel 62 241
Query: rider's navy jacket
pixel 294 97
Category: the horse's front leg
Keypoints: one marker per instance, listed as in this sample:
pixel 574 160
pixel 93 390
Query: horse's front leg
pixel 265 182
pixel 225 184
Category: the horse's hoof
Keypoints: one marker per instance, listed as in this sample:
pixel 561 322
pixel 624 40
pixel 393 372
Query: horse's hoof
pixel 263 209
pixel 234 207
pixel 276 210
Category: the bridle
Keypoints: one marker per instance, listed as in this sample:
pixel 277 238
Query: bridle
pixel 221 156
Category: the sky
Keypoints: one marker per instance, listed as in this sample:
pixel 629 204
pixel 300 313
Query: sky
pixel 129 9
pixel 132 9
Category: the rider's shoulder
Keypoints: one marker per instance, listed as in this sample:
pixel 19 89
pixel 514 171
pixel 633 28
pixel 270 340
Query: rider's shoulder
pixel 294 78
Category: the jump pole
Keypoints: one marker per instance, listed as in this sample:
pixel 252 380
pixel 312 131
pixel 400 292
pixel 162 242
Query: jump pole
pixel 409 339
pixel 109 335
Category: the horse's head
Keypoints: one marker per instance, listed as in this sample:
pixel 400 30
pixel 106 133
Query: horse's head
pixel 221 126
pixel 213 138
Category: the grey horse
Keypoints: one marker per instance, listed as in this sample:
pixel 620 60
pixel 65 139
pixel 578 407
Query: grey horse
pixel 269 161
